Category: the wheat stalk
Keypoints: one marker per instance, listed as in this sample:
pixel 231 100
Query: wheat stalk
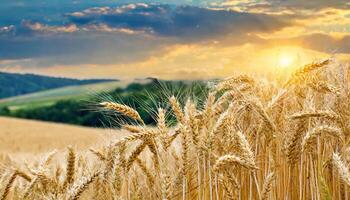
pixel 232 159
pixel 9 185
pixel 132 128
pixel 166 187
pixel 135 154
pixel 324 87
pixel 148 174
pixel 98 154
pixel 136 136
pixel 23 175
pixel 123 109
pixel 318 114
pixel 232 81
pixel 81 186
pixel 299 74
pixel 29 188
pixel 294 143
pixel 343 170
pixel 70 169
pixel 177 110
pixel 246 150
pixel 267 186
pixel 315 132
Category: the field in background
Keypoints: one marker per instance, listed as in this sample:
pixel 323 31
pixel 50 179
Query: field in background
pixel 49 97
pixel 27 137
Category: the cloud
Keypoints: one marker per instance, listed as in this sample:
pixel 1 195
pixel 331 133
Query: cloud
pixel 185 22
pixel 108 29
pixel 128 33
pixel 278 5
pixel 77 48
pixel 35 28
pixel 142 39
pixel 310 4
pixel 320 42
pixel 7 30
pixel 42 28
pixel 191 62
pixel 326 43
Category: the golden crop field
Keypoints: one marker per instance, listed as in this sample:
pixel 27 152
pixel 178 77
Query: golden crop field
pixel 20 136
pixel 252 139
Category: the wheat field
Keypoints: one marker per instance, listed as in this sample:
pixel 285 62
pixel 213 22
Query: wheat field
pixel 251 138
pixel 25 138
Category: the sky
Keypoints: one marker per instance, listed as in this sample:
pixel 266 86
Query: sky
pixel 170 39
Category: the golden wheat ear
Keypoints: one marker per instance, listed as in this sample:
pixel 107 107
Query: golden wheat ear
pixel 9 184
pixel 309 137
pixel 82 186
pixel 98 154
pixel 246 150
pixel 300 73
pixel 161 121
pixel 343 170
pixel 70 169
pixel 228 160
pixel 175 105
pixel 267 186
pixel 24 175
pixel 132 128
pixel 123 109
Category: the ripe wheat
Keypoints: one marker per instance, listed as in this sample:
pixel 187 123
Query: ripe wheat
pixel 248 139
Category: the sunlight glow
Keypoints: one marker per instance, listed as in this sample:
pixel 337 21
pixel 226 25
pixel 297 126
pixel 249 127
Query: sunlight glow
pixel 285 60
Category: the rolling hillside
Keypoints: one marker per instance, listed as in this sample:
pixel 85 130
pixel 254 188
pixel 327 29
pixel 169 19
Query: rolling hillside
pixel 80 106
pixel 19 84
pixel 49 97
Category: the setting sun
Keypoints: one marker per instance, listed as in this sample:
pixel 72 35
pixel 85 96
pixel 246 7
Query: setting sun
pixel 285 60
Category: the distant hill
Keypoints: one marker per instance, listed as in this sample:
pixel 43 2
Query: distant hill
pixel 19 84
pixel 51 96
pixel 59 106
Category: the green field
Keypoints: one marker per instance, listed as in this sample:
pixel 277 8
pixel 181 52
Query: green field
pixel 49 97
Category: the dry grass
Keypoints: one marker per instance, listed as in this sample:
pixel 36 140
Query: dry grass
pixel 251 139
